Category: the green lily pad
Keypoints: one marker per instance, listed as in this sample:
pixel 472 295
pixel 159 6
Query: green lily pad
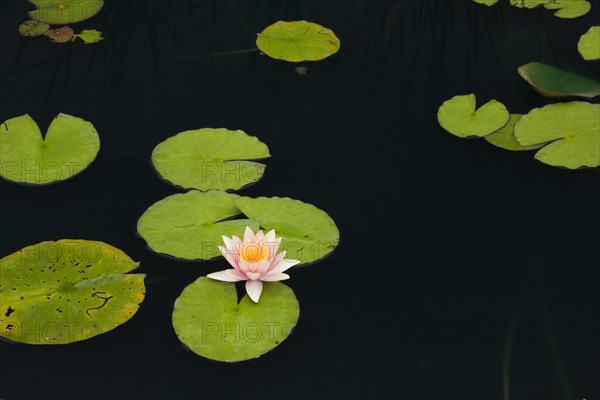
pixel 32 28
pixel 528 3
pixel 209 320
pixel 71 144
pixel 589 44
pixel 66 291
pixel 308 233
pixel 60 35
pixel 90 36
pixel 297 41
pixel 459 117
pixel 190 225
pixel 505 138
pixel 488 3
pixel 569 8
pixel 572 128
pixel 210 158
pixel 550 81
pixel 58 12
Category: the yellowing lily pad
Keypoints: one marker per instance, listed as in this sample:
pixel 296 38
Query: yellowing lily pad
pixel 589 44
pixel 208 319
pixel 60 35
pixel 209 158
pixel 505 138
pixel 297 41
pixel 460 117
pixel 572 128
pixel 308 233
pixel 190 225
pixel 550 81
pixel 569 8
pixel 70 145
pixel 90 36
pixel 66 291
pixel 31 28
pixel 58 12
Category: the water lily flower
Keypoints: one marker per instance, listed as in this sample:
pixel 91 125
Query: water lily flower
pixel 254 260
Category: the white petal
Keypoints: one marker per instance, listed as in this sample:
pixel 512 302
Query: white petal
pixel 274 276
pixel 224 276
pixel 284 265
pixel 260 235
pixel 254 289
pixel 228 242
pixel 270 236
pixel 248 235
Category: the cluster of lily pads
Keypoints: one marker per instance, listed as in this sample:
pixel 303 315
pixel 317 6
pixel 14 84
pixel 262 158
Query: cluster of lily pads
pixel 59 292
pixel 59 13
pixel 564 8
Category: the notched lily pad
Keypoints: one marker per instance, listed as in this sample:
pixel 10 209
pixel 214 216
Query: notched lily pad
pixel 308 233
pixel 505 138
pixel 209 320
pixel 569 8
pixel 66 291
pixel 589 44
pixel 190 225
pixel 460 117
pixel 528 3
pixel 70 145
pixel 210 158
pixel 32 28
pixel 90 36
pixel 550 81
pixel 60 35
pixel 297 41
pixel 58 12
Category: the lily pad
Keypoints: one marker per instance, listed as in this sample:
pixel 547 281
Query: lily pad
pixel 573 128
pixel 209 320
pixel 210 158
pixel 58 12
pixel 66 291
pixel 60 35
pixel 589 44
pixel 505 138
pixel 190 225
pixel 308 233
pixel 488 3
pixel 90 36
pixel 550 81
pixel 32 28
pixel 71 144
pixel 528 3
pixel 459 116
pixel 569 8
pixel 297 41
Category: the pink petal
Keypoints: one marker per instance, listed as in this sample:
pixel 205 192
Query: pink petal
pixel 276 261
pixel 284 265
pixel 254 289
pixel 260 235
pixel 274 276
pixel 237 243
pixel 236 274
pixel 248 235
pixel 230 257
pixel 224 276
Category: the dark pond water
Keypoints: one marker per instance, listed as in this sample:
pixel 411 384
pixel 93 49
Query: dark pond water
pixel 446 243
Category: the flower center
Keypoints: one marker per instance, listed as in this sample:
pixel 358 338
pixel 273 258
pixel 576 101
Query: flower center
pixel 254 252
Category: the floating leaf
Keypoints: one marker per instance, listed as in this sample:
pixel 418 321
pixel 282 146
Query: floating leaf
pixel 31 28
pixel 297 41
pixel 550 81
pixel 71 144
pixel 66 291
pixel 569 8
pixel 589 44
pixel 486 2
pixel 58 12
pixel 90 36
pixel 505 138
pixel 528 3
pixel 459 117
pixel 209 158
pixel 209 320
pixel 308 233
pixel 60 35
pixel 573 128
pixel 187 225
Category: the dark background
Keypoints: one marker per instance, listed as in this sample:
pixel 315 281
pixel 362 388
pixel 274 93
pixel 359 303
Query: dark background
pixel 444 241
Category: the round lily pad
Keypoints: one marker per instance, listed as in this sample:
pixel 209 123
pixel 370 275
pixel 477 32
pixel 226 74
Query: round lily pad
pixel 550 81
pixel 505 138
pixel 460 117
pixel 66 291
pixel 58 12
pixel 31 28
pixel 589 44
pixel 60 35
pixel 210 158
pixel 572 128
pixel 488 3
pixel 208 319
pixel 308 233
pixel 569 8
pixel 70 145
pixel 297 41
pixel 190 225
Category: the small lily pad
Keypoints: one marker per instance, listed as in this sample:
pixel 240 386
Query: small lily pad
pixel 488 3
pixel 460 117
pixel 210 158
pixel 190 225
pixel 66 291
pixel 505 138
pixel 32 28
pixel 550 81
pixel 90 36
pixel 297 41
pixel 70 145
pixel 58 12
pixel 569 8
pixel 208 319
pixel 60 35
pixel 589 44
pixel 572 128
pixel 308 233
pixel 528 3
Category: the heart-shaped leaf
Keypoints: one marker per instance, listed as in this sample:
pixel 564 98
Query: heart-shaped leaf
pixel 505 138
pixel 308 233
pixel 31 28
pixel 569 8
pixel 209 158
pixel 70 145
pixel 460 117
pixel 66 291
pixel 187 225
pixel 58 12
pixel 589 44
pixel 550 81
pixel 209 320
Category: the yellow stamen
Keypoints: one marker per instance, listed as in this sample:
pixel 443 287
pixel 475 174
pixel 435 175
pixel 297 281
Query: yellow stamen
pixel 254 252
